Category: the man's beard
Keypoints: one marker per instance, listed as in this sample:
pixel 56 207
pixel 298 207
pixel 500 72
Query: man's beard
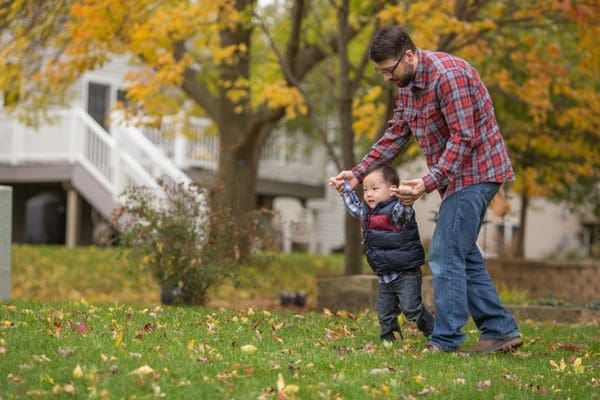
pixel 405 80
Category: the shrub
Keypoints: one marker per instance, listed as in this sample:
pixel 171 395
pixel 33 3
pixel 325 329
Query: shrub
pixel 186 237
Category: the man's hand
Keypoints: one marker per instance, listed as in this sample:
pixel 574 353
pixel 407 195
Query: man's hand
pixel 410 190
pixel 347 176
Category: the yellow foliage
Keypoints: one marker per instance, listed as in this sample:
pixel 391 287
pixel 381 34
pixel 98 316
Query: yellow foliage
pixel 237 91
pixel 225 54
pixel 367 112
pixel 278 94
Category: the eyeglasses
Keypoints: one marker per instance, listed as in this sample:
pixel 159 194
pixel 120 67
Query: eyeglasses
pixel 389 71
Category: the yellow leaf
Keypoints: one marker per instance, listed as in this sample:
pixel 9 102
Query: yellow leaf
pixel 77 372
pixel 280 382
pixel 119 338
pixel 248 349
pixel 291 389
pixel 141 371
pixel 578 366
pixel 558 367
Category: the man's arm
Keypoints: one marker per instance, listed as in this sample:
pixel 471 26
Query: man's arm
pixel 388 147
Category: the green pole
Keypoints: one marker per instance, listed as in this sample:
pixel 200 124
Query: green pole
pixel 5 240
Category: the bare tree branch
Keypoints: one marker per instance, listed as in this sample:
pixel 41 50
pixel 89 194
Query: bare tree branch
pixel 293 81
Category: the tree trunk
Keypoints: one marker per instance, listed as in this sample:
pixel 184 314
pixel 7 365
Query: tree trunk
pixel 237 174
pixel 352 249
pixel 519 241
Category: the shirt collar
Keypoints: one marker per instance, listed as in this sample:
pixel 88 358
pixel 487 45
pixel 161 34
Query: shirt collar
pixel 419 81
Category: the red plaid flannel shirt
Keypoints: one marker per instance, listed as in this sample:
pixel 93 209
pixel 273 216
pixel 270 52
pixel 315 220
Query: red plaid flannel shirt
pixel 449 110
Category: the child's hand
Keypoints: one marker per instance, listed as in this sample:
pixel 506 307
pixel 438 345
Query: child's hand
pixel 399 191
pixel 336 183
pixel 404 193
pixel 411 190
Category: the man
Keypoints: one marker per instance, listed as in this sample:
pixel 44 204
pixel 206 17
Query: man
pixel 445 105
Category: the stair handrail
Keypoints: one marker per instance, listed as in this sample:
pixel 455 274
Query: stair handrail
pixel 164 167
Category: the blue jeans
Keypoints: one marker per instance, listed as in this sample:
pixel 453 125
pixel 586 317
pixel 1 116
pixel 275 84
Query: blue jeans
pixel 403 294
pixel 461 284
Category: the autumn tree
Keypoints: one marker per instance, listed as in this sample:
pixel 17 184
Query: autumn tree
pixel 544 79
pixel 27 30
pixel 193 57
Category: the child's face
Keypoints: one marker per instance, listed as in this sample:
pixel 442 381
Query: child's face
pixel 375 189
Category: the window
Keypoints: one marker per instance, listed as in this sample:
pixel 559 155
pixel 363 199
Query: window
pixel 98 102
pixel 122 97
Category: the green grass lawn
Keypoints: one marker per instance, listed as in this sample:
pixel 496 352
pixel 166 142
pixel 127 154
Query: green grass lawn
pixel 81 350
pixel 100 275
pixel 82 325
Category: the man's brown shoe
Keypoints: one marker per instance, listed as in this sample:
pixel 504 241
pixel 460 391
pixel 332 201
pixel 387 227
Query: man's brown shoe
pixel 497 345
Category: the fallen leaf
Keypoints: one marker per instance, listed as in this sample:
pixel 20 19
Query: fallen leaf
pixel 18 379
pixel 482 385
pixel 291 389
pixel 69 388
pixel 77 372
pixel 277 339
pixel 426 390
pixel 559 367
pixel 65 351
pixel 280 382
pixel 332 335
pixel 118 337
pixel 249 349
pixel 346 314
pixel 328 312
pixel 142 371
pixel 578 366
pixel 369 348
pixel 80 327
pixel 378 371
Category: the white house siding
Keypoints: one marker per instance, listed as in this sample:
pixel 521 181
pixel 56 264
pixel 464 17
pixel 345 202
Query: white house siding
pixel 551 229
pixel 329 222
pixel 112 73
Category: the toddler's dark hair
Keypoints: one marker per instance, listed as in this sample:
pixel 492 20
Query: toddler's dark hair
pixel 390 176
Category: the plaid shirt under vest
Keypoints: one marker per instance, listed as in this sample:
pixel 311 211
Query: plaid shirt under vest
pixel 450 112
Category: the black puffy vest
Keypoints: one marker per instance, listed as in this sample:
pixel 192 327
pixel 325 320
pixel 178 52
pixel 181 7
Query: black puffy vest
pixel 390 248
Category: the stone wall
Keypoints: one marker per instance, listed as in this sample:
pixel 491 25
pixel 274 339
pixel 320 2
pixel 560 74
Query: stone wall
pixel 573 282
pixel 350 293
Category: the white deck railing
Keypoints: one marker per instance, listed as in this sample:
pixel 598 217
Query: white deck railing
pixel 128 157
pixel 119 160
pixel 285 157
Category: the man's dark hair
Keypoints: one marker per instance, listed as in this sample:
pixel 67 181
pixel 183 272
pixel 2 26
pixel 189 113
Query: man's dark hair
pixel 390 42
pixel 390 175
